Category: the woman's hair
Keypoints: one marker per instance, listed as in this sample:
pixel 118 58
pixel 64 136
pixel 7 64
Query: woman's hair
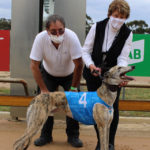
pixel 54 18
pixel 121 6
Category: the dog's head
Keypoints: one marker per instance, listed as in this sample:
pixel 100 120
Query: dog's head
pixel 116 75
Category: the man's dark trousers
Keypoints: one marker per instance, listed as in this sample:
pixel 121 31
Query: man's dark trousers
pixel 52 84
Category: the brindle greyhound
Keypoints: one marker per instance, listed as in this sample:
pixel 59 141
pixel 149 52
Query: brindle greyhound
pixel 43 104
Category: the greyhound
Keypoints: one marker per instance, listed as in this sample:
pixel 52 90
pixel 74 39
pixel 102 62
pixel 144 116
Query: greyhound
pixel 101 112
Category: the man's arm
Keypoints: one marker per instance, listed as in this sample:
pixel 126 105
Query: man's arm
pixel 77 72
pixel 37 75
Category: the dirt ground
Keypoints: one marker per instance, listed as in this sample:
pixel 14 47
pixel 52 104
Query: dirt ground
pixel 132 134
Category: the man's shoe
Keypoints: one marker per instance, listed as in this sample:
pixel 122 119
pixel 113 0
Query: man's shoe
pixel 42 141
pixel 75 142
pixel 111 147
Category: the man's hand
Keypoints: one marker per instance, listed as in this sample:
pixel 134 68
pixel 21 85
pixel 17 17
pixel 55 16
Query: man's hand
pixel 44 91
pixel 93 67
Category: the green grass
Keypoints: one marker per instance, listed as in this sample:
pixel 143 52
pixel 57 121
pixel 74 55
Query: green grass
pixel 4 108
pixel 134 114
pixel 136 94
pixel 4 91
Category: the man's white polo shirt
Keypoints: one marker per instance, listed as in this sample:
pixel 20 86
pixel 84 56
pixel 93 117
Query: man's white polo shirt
pixel 57 62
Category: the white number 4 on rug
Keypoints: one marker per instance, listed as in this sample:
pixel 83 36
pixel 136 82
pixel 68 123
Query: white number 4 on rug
pixel 82 100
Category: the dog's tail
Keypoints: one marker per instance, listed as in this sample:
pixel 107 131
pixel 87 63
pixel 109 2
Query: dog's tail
pixel 23 142
pixel 32 128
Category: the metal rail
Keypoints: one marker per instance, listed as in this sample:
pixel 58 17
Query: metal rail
pixel 134 105
pixel 127 105
pixel 16 80
pixel 20 101
pixel 83 83
pixel 137 86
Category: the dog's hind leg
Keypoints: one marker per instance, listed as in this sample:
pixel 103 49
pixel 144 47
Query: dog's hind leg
pixel 37 114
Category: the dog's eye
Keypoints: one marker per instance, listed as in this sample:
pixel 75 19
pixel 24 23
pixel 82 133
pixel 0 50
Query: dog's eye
pixel 119 68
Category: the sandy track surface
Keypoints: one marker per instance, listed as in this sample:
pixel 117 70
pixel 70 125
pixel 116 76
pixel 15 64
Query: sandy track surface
pixel 132 134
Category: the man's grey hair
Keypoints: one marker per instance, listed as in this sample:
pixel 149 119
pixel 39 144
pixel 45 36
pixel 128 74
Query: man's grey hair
pixel 54 18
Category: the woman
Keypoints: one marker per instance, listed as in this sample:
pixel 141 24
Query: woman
pixel 107 44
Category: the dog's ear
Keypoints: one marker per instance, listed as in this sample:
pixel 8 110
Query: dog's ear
pixel 106 74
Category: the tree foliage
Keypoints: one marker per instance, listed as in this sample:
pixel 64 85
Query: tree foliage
pixel 139 27
pixel 89 23
pixel 5 24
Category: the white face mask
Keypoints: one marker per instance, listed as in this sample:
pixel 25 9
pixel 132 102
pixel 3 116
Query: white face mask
pixel 116 23
pixel 57 39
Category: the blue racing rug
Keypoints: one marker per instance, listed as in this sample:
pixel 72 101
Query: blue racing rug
pixel 81 105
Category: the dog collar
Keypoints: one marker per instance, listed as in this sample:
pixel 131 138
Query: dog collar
pixel 112 88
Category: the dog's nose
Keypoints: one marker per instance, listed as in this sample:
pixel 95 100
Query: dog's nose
pixel 133 67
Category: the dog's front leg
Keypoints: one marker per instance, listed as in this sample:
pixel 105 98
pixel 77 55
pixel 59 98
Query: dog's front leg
pixel 103 131
pixel 102 119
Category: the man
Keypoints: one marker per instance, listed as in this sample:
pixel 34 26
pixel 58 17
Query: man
pixel 59 50
pixel 107 44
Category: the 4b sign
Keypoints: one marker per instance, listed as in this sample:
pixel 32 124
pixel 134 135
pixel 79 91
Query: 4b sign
pixel 136 55
pixel 140 55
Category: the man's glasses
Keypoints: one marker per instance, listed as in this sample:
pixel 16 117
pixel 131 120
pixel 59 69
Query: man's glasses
pixel 55 32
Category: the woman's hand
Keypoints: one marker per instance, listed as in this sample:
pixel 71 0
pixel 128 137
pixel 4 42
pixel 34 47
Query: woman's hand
pixel 124 83
pixel 92 68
